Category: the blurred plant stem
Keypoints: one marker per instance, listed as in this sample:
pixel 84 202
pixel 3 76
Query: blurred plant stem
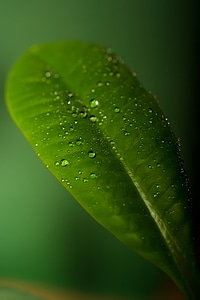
pixel 166 291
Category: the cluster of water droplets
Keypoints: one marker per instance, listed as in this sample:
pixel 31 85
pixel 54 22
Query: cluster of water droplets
pixel 78 148
pixel 131 116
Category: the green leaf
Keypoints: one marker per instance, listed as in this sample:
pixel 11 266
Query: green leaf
pixel 105 138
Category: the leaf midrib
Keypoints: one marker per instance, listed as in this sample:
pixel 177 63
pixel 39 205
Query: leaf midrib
pixel 167 237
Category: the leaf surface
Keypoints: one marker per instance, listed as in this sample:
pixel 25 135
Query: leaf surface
pixel 106 139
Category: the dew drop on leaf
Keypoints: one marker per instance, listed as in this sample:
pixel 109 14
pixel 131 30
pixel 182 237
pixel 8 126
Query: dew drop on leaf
pixel 70 94
pixel 150 110
pixel 91 154
pixel 64 162
pixel 83 114
pixel 93 175
pixel 74 114
pixel 78 142
pixel 71 144
pixel 93 119
pixel 117 110
pixel 155 195
pixel 99 83
pixel 94 103
pixel 126 133
pixel 48 74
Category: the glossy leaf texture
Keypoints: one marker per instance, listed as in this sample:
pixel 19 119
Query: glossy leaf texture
pixel 106 139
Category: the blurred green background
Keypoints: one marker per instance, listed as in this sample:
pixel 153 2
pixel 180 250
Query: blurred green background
pixel 44 234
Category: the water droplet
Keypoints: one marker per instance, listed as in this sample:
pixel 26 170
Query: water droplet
pixel 91 154
pixel 158 165
pixel 85 180
pixel 79 172
pixel 155 195
pixel 94 103
pixel 74 114
pixel 126 133
pixel 150 110
pixel 71 144
pixel 117 110
pixel 64 162
pixel 93 175
pixel 57 163
pixel 83 114
pixel 78 142
pixel 99 83
pixel 150 166
pixel 109 58
pixel 93 119
pixel 70 94
pixel 48 74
